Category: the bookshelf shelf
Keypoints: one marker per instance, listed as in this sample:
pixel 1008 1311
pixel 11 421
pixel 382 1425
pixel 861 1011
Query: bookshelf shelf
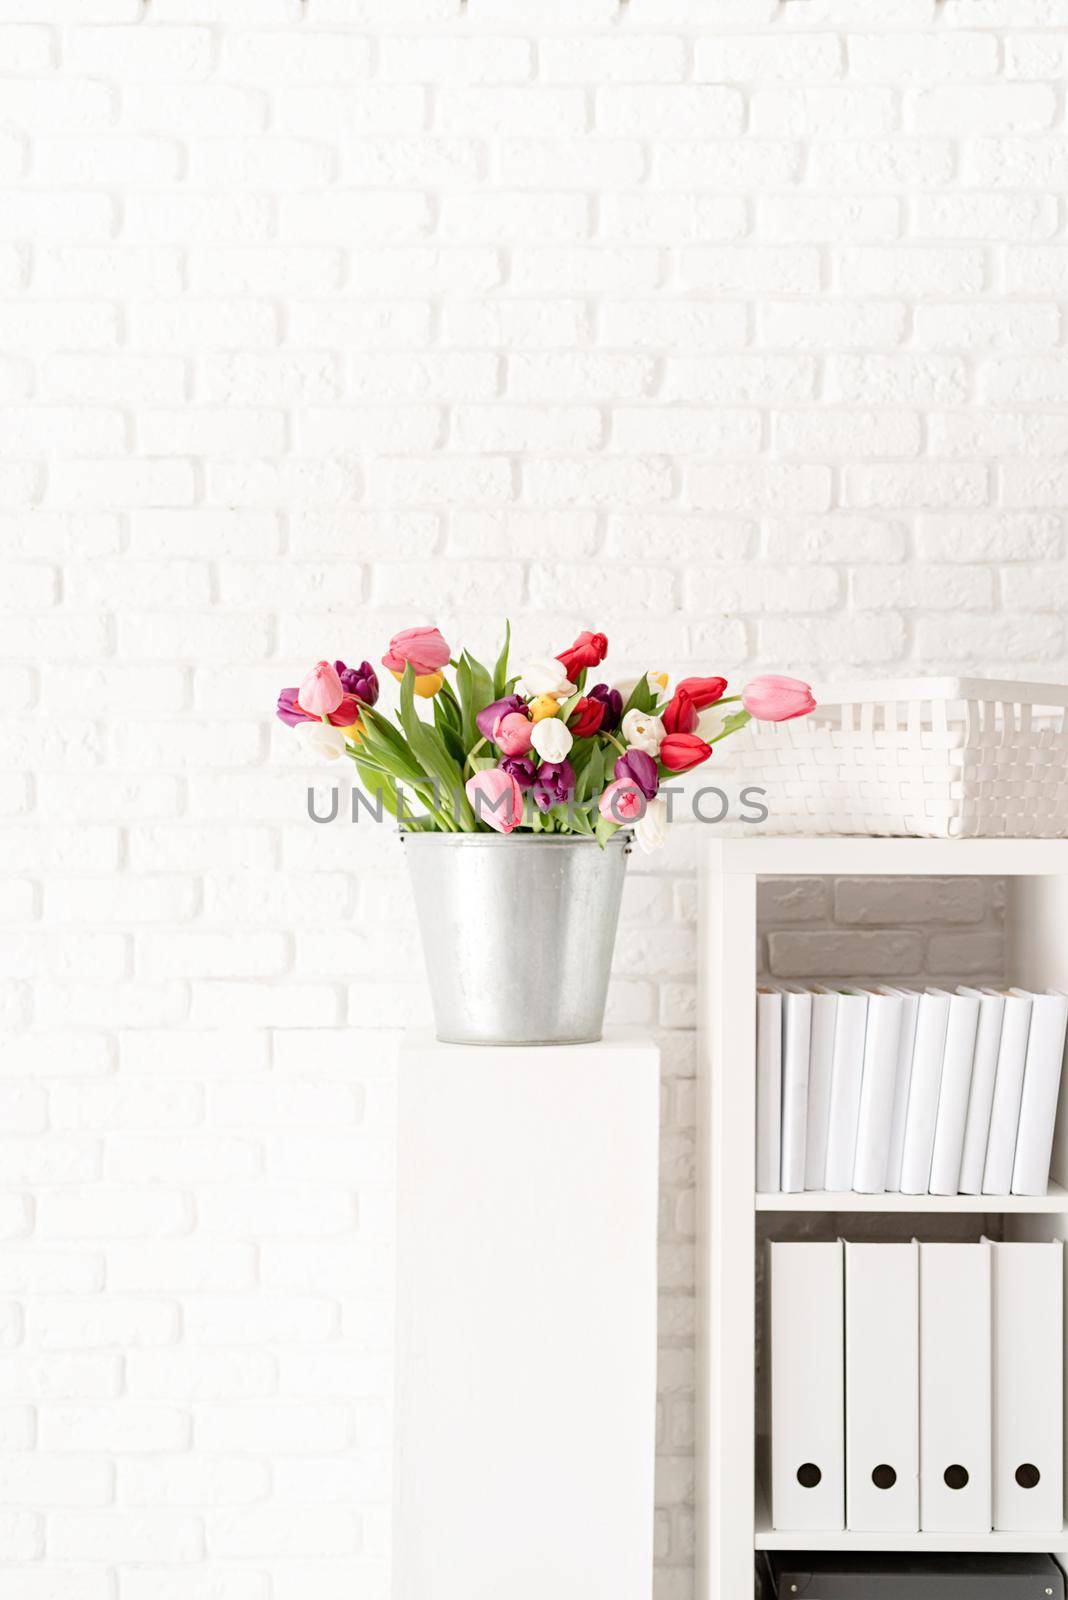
pixel 732 1519
pixel 766 1538
pixel 983 1205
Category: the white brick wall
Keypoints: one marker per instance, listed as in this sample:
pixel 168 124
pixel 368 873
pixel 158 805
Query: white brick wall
pixel 733 327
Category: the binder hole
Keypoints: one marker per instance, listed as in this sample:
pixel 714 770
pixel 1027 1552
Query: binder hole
pixel 955 1476
pixel 1027 1475
pixel 808 1475
pixel 884 1476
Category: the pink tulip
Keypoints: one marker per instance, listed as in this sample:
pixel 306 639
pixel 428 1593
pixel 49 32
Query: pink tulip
pixel 422 648
pixel 497 799
pixel 774 699
pixel 512 733
pixel 622 802
pixel 321 691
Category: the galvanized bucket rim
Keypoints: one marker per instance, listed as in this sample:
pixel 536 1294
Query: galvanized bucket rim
pixel 620 840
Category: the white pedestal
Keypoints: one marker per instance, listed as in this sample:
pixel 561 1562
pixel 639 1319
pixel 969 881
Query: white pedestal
pixel 526 1321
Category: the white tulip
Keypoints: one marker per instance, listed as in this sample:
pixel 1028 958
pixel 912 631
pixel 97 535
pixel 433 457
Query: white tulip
pixel 650 830
pixel 658 682
pixel 552 739
pixel 546 675
pixel 642 731
pixel 320 740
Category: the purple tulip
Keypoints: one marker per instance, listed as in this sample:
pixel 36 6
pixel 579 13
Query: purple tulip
pixel 612 701
pixel 361 681
pixel 640 769
pixel 520 769
pixel 555 781
pixel 490 715
pixel 288 709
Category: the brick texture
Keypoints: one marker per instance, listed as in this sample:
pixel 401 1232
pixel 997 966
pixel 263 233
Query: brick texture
pixel 733 328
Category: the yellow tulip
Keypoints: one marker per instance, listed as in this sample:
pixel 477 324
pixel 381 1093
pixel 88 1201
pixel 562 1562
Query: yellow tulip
pixel 427 686
pixel 543 705
pixel 354 732
pixel 657 681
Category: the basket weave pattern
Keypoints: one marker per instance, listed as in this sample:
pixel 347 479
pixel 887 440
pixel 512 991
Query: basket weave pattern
pixel 931 758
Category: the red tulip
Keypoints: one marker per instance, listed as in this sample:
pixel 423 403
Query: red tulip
pixel 680 713
pixel 588 650
pixel 681 751
pixel 702 691
pixel 586 718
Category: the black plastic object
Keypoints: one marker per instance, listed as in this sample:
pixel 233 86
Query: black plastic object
pixel 837 1576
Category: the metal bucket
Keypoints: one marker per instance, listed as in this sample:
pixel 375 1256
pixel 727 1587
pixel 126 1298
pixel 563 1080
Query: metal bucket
pixel 517 933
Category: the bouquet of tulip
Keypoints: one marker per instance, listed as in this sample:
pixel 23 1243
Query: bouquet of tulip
pixel 536 750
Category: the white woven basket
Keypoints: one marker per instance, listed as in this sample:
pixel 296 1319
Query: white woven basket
pixel 935 758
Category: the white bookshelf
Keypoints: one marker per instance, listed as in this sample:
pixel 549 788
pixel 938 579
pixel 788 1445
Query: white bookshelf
pixel 732 1518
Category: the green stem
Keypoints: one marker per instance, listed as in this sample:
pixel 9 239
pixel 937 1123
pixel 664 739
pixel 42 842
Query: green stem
pixel 444 821
pixel 621 748
pixel 421 791
pixel 473 752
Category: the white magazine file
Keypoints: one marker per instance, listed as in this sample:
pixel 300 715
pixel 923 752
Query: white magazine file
pixel 807 1386
pixel 1028 1354
pixel 882 1387
pixel 955 1370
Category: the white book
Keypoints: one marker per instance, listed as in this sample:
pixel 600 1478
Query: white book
pixel 924 1084
pixel 820 1066
pixel 846 1076
pixel 1008 1087
pixel 1028 1292
pixel 882 1038
pixel 882 1347
pixel 953 1093
pixel 768 1089
pixel 910 1010
pixel 796 1038
pixel 955 1371
pixel 981 1094
pixel 807 1386
pixel 1041 1086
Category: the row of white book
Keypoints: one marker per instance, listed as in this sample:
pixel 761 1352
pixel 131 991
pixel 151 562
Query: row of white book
pixel 916 1386
pixel 884 1089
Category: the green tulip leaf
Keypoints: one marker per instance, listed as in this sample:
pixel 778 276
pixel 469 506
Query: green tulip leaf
pixel 641 698
pixel 437 766
pixel 731 724
pixel 500 670
pixel 580 822
pixel 604 830
pixel 378 784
